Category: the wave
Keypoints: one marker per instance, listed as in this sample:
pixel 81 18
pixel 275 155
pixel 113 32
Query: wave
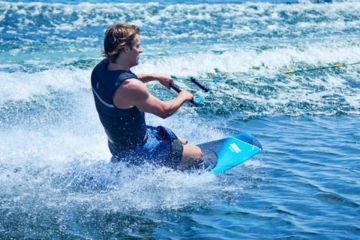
pixel 251 81
pixel 240 51
pixel 40 25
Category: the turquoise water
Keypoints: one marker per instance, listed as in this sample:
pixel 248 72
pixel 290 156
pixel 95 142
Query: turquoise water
pixel 55 176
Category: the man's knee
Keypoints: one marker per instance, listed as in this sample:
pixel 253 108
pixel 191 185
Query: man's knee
pixel 192 152
pixel 197 153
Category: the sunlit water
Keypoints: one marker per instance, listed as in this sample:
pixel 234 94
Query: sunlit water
pixel 55 177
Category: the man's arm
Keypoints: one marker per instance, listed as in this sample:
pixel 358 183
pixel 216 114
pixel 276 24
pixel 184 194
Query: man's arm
pixel 163 79
pixel 134 93
pixel 146 77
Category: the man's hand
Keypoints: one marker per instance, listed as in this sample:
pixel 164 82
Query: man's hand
pixel 187 96
pixel 164 80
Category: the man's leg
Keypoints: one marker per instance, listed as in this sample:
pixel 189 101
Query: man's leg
pixel 192 156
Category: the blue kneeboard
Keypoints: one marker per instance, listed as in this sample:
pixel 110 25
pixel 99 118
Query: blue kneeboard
pixel 224 154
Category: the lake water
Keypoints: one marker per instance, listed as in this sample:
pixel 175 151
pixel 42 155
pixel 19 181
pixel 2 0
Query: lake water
pixel 55 177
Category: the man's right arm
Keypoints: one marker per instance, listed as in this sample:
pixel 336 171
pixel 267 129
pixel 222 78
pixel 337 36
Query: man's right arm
pixel 135 93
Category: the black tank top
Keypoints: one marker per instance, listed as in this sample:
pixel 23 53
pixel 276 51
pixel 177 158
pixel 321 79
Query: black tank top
pixel 125 128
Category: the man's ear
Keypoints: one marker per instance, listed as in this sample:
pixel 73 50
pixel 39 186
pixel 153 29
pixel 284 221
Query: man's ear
pixel 126 49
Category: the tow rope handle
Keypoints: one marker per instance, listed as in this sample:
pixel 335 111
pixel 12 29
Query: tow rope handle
pixel 196 101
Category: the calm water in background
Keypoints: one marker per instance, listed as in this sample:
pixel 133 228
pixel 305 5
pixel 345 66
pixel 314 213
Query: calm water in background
pixel 55 176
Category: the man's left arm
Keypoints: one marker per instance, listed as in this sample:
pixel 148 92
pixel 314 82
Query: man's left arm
pixel 162 78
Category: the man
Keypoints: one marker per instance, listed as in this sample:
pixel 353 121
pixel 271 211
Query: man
pixel 121 99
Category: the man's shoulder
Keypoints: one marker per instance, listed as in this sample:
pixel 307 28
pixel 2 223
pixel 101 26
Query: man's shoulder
pixel 132 90
pixel 133 84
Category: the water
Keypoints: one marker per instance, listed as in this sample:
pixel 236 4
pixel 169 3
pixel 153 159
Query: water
pixel 55 176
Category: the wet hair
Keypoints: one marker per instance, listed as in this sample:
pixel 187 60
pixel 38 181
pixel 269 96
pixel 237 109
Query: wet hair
pixel 117 37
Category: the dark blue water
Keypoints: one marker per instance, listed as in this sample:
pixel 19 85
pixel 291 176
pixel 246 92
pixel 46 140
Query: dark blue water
pixel 55 176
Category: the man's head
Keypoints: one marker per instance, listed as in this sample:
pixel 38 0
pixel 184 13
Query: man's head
pixel 118 38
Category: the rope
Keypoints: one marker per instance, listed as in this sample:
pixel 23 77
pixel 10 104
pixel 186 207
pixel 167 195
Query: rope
pixel 336 65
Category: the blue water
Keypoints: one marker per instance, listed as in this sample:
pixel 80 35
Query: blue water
pixel 55 177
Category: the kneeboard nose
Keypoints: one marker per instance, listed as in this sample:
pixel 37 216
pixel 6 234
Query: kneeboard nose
pixel 224 154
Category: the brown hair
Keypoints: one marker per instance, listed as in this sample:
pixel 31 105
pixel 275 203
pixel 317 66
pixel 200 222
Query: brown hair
pixel 117 37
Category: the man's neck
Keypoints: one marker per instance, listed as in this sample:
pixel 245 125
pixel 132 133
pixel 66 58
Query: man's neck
pixel 118 65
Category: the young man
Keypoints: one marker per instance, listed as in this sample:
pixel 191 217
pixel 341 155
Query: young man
pixel 121 99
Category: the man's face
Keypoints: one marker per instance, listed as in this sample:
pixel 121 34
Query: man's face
pixel 135 51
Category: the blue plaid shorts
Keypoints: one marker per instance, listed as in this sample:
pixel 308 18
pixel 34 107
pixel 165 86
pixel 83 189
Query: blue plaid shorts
pixel 160 147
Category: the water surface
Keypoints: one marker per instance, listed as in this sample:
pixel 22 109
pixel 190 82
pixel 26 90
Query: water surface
pixel 55 177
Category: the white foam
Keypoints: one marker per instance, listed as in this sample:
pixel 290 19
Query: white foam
pixel 109 187
pixel 24 86
pixel 237 60
pixel 69 165
pixel 239 65
pixel 51 145
pixel 244 18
